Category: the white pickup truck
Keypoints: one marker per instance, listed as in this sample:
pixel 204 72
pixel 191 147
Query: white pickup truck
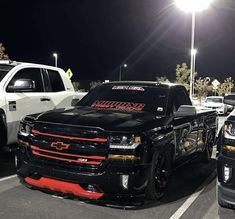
pixel 28 88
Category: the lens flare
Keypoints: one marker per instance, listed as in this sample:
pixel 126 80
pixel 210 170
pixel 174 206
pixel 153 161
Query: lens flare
pixel 193 5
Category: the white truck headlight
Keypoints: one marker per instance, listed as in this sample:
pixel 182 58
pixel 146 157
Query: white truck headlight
pixel 124 142
pixel 24 129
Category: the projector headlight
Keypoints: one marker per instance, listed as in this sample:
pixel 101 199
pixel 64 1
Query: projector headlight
pixel 125 142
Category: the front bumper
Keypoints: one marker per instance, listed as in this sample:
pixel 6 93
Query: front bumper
pixel 226 190
pixel 219 110
pixel 227 195
pixel 104 185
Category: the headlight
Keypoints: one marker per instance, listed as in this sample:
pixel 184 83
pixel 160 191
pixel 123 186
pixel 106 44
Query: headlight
pixel 24 129
pixel 124 142
pixel 229 128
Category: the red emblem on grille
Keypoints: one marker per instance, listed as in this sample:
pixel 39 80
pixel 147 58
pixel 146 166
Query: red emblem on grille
pixel 60 145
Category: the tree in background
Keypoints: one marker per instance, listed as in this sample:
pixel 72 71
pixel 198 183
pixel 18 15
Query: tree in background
pixel 76 85
pixel 229 84
pixel 183 75
pixel 162 79
pixel 225 87
pixel 202 87
pixel 3 55
pixel 94 84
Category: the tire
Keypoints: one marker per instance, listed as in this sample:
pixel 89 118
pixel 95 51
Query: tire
pixel 3 132
pixel 157 180
pixel 206 154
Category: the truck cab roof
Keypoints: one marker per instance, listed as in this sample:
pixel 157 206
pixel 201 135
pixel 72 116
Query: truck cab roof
pixel 16 63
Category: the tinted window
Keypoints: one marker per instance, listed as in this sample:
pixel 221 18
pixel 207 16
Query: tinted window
pixel 4 69
pixel 29 73
pixel 180 97
pixel 55 81
pixel 127 98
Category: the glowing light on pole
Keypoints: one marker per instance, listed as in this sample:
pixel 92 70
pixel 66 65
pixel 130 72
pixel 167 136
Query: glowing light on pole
pixel 120 70
pixel 56 58
pixel 192 6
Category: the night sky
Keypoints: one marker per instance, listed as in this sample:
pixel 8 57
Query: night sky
pixel 93 37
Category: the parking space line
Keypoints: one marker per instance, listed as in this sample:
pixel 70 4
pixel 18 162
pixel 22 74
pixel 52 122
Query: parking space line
pixel 183 208
pixel 8 177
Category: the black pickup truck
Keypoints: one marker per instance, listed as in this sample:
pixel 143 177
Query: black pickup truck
pixel 121 142
pixel 226 159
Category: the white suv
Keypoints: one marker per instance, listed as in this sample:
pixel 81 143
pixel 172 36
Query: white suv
pixel 217 103
pixel 28 88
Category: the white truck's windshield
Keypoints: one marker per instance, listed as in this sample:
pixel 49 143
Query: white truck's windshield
pixel 4 69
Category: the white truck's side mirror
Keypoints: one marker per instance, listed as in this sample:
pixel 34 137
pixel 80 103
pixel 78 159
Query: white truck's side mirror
pixel 22 85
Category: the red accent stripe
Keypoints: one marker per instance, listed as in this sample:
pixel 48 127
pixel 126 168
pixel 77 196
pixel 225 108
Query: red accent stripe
pixel 101 140
pixel 68 160
pixel 64 187
pixel 66 154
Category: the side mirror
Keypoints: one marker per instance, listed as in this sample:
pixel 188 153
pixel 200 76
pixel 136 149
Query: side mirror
pixel 185 110
pixel 22 85
pixel 230 100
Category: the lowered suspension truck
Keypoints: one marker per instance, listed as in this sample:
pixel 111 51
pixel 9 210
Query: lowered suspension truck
pixel 119 143
pixel 226 159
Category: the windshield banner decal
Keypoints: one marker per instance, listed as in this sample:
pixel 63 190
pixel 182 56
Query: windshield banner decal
pixel 125 106
pixel 131 88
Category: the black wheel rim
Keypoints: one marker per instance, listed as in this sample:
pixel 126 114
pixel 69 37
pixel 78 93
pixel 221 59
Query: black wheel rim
pixel 160 176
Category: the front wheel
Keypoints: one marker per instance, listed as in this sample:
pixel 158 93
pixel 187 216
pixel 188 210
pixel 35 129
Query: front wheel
pixel 3 133
pixel 207 153
pixel 157 180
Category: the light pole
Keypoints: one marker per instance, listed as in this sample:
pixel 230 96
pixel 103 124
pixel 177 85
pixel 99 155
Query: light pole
pixel 56 58
pixel 193 56
pixel 192 6
pixel 120 71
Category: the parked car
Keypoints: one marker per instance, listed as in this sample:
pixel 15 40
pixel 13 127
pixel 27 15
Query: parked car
pixel 28 88
pixel 121 141
pixel 226 159
pixel 217 103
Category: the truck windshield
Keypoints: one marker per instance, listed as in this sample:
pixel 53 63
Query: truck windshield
pixel 214 100
pixel 128 98
pixel 4 69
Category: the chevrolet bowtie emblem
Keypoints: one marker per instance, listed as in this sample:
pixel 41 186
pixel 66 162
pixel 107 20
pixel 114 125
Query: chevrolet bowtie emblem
pixel 60 145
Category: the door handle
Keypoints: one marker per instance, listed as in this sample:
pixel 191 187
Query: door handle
pixel 45 99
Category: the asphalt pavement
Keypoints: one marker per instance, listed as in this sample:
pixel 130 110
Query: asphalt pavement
pixel 191 194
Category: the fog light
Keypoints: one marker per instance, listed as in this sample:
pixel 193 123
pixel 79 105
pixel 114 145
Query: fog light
pixel 124 181
pixel 227 173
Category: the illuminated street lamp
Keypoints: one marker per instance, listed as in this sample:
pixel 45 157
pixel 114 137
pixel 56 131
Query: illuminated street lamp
pixel 120 70
pixel 192 6
pixel 56 58
pixel 193 54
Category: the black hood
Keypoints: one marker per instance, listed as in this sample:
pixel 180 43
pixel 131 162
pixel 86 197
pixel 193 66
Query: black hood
pixel 108 119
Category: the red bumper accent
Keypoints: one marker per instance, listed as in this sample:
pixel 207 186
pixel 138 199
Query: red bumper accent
pixel 64 187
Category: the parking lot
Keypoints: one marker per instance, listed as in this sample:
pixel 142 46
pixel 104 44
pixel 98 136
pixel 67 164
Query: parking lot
pixel 191 194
